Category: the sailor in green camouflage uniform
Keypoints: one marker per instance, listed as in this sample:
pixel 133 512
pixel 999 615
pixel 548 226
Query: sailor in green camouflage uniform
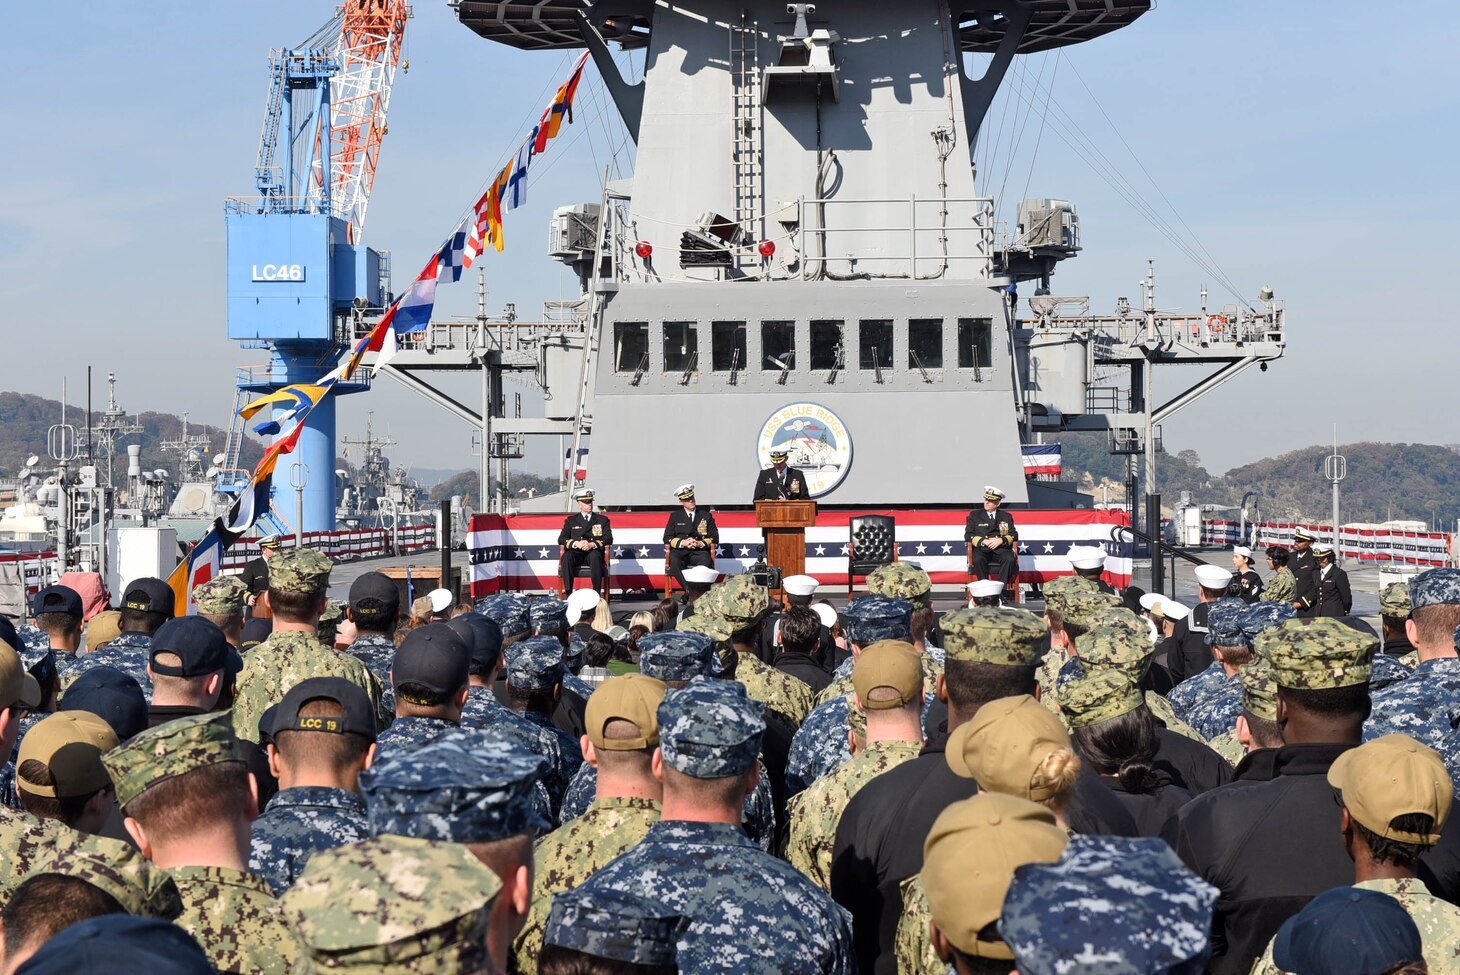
pixel 821 745
pixel 293 653
pixel 415 897
pixel 969 859
pixel 1073 601
pixel 888 683
pixel 199 763
pixel 1378 783
pixel 1282 587
pixel 624 808
pixel 744 605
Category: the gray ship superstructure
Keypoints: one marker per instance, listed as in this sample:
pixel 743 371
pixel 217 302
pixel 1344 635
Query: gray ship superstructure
pixel 804 259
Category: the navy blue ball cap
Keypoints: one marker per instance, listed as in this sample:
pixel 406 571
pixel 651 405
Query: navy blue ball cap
pixel 149 595
pixel 1349 930
pixel 199 645
pixel 113 696
pixel 483 638
pixel 57 599
pixel 357 715
pixel 433 656
pixel 374 596
pixel 122 945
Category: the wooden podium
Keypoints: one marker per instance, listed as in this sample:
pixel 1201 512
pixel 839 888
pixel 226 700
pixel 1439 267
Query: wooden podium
pixel 785 524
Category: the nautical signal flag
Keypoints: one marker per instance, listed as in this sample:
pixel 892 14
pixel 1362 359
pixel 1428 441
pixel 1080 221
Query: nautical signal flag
pixel 295 399
pixel 408 313
pixel 561 107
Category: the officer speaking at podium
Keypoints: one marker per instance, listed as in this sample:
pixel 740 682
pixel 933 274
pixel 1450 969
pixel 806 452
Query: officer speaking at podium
pixel 780 481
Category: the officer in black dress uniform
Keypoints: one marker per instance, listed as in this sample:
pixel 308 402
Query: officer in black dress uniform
pixel 781 482
pixel 1246 583
pixel 690 534
pixel 586 536
pixel 1334 597
pixel 255 573
pixel 1304 568
pixel 996 548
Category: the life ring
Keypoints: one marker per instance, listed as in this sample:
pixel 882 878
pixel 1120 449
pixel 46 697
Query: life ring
pixel 1215 322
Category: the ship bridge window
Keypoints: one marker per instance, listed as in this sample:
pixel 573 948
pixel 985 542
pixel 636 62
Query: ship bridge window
pixel 630 345
pixel 777 346
pixel 727 346
pixel 925 343
pixel 826 345
pixel 975 343
pixel 876 344
pixel 680 347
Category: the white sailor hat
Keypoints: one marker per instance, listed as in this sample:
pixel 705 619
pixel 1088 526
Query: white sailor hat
pixel 586 494
pixel 983 588
pixel 582 601
pixel 701 575
pixel 1151 600
pixel 825 613
pixel 441 600
pixel 1086 557
pixel 684 492
pixel 800 585
pixel 1213 576
pixel 1242 550
pixel 991 493
pixel 1172 610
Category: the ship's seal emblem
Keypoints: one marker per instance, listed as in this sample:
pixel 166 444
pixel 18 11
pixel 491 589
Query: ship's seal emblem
pixel 817 440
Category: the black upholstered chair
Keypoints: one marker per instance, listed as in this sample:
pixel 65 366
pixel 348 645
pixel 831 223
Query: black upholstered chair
pixel 872 542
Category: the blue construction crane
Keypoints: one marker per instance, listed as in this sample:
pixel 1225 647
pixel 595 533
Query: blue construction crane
pixel 299 282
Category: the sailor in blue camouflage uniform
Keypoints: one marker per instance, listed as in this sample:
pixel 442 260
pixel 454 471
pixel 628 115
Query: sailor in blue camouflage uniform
pixel 1119 905
pixel 374 608
pixel 483 711
pixel 1214 712
pixel 613 925
pixel 821 746
pixel 509 610
pixel 676 657
pixel 748 912
pixel 417 896
pixel 61 605
pixel 1224 629
pixel 317 807
pixel 549 617
pixel 1426 705
pixel 149 599
pixel 534 673
pixel 430 675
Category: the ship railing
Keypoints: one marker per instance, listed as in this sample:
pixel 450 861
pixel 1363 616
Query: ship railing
pixel 1229 326
pixel 277 204
pixel 865 238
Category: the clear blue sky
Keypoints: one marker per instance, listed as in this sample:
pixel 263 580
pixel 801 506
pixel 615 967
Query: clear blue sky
pixel 1311 147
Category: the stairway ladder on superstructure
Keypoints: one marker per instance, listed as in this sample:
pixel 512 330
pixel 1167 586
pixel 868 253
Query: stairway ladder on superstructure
pixel 745 111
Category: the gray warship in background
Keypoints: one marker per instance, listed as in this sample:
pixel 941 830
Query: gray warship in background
pixel 803 258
